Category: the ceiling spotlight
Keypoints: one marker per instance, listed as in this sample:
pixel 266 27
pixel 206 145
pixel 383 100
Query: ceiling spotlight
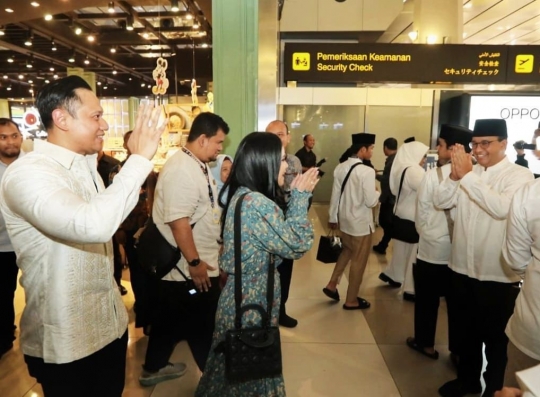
pixel 55 76
pixel 111 7
pixel 130 79
pixel 72 57
pixel 99 83
pixel 48 17
pixel 31 81
pixel 145 35
pixel 30 91
pixel 142 84
pixel 47 81
pixel 29 65
pixel 129 22
pixel 28 41
pixel 10 60
pixel 53 48
pixel 105 87
pixel 78 30
pixel 10 10
pixel 34 4
pixel 2 33
pixel 91 38
pixel 9 88
pixel 174 6
pixel 189 16
pixel 21 77
pixel 86 61
pixel 114 72
pixel 113 50
pixel 195 26
pixel 5 76
pixel 205 45
pixel 51 69
pixel 413 35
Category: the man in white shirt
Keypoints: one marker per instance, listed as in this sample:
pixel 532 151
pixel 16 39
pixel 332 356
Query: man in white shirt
pixel 10 150
pixel 187 213
pixel 353 196
pixel 522 253
pixel 294 168
pixel 484 288
pixel 60 219
pixel 431 273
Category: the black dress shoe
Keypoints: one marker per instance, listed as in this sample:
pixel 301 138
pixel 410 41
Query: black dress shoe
pixel 287 321
pixel 386 279
pixel 455 388
pixel 378 249
pixel 407 296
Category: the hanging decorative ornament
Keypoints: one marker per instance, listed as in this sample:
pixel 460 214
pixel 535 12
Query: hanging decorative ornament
pixel 210 102
pixel 160 76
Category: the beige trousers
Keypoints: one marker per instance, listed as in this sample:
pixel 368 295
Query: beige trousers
pixel 356 249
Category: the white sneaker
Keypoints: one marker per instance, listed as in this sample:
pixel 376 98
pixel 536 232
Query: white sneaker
pixel 168 372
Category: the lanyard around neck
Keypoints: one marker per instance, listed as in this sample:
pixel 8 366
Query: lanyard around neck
pixel 205 172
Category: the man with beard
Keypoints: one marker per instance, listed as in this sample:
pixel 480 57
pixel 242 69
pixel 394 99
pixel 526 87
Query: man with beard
pixel 187 214
pixel 10 150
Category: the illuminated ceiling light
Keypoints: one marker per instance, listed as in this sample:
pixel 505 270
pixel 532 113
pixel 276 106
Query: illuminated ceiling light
pixel 113 50
pixel 30 91
pixel 111 7
pixel 10 10
pixel 99 83
pixel 129 22
pixel 47 81
pixel 142 84
pixel 53 46
pixel 28 41
pixel 5 76
pixel 431 39
pixel 48 17
pixel 205 45
pixel 114 72
pixel 86 61
pixel 130 79
pixel 34 4
pixel 29 65
pixel 51 69
pixel 78 30
pixel 195 26
pixel 413 35
pixel 174 6
pixel 105 87
pixel 21 77
pixel 145 35
pixel 91 38
pixel 9 88
pixel 189 16
pixel 55 76
pixel 31 81
pixel 2 33
pixel 10 60
pixel 72 57
pixel 468 5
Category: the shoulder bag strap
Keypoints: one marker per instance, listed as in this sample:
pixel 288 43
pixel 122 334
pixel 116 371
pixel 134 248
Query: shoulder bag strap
pixel 238 260
pixel 344 183
pixel 400 186
pixel 449 220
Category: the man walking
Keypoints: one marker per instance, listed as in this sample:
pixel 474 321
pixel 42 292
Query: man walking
pixel 353 197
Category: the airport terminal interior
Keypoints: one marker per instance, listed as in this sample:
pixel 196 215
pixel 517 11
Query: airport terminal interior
pixel 329 68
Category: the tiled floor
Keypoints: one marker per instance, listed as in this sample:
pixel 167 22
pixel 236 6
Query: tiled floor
pixel 332 352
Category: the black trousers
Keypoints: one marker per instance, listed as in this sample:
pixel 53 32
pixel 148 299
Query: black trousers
pixel 431 282
pixel 8 285
pixel 100 374
pixel 117 262
pixel 285 276
pixel 484 308
pixel 141 283
pixel 182 316
pixel 385 220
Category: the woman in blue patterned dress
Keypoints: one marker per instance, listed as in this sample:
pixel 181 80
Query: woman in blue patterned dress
pixel 258 170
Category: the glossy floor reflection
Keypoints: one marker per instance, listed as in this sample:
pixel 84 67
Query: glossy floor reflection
pixel 332 352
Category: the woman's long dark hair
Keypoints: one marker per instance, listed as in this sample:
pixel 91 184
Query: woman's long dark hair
pixel 256 166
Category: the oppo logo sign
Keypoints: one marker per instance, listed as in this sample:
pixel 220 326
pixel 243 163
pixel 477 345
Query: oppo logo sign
pixel 520 113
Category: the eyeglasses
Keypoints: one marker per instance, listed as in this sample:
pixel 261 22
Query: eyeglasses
pixel 6 137
pixel 482 144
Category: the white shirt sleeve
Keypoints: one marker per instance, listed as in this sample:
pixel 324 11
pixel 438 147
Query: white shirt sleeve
pixel 50 205
pixel 371 195
pixel 424 204
pixel 517 246
pixel 446 194
pixel 334 201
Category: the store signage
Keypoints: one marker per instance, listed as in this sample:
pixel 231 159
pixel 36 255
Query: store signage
pixel 411 63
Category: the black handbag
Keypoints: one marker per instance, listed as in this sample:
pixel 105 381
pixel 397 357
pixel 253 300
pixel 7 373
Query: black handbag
pixel 329 248
pixel 156 256
pixel 255 352
pixel 403 229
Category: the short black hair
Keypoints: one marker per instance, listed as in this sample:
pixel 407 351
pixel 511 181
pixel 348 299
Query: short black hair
pixel 208 124
pixel 305 136
pixel 6 121
pixel 390 143
pixel 256 166
pixel 59 94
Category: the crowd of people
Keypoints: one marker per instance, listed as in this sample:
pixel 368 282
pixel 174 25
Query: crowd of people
pixel 465 230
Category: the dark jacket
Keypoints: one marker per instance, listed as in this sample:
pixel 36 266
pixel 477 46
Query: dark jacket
pixel 386 194
pixel 521 161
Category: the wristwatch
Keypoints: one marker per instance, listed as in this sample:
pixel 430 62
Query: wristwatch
pixel 194 262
